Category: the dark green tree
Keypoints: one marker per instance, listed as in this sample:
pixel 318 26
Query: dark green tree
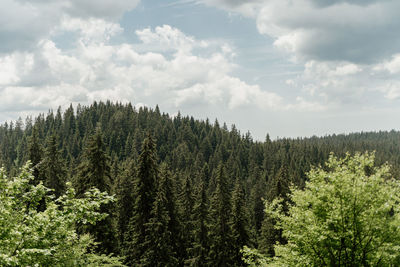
pixel 256 202
pixel 160 248
pixel 186 208
pixel 94 168
pixel 144 193
pixel 198 253
pixel 221 253
pixel 35 152
pixel 124 193
pixel 239 223
pixel 53 167
pixel 278 188
pixel 94 171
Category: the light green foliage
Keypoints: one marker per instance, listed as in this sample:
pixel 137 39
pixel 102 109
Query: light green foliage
pixel 253 258
pixel 29 237
pixel 348 215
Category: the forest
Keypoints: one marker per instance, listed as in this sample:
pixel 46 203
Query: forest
pixel 110 184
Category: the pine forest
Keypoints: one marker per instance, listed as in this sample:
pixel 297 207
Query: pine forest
pixel 114 185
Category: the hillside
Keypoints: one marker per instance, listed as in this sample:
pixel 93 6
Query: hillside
pixel 203 175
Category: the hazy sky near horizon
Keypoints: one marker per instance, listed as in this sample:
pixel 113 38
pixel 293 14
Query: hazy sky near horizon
pixel 283 67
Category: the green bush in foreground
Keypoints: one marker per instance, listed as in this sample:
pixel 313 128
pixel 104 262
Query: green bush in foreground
pixel 348 215
pixel 31 237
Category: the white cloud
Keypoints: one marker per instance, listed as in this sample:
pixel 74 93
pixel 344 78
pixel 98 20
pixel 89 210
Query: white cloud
pixel 304 105
pixel 167 38
pixel 14 65
pixel 92 29
pixel 25 22
pixel 347 47
pixel 391 90
pixel 345 30
pixel 392 66
pixel 95 69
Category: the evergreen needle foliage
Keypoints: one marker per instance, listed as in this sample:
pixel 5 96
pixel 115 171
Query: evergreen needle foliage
pixel 188 192
pixel 144 194
pixel 94 171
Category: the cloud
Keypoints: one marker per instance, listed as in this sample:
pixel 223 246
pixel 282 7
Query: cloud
pixel 348 49
pixel 165 38
pixel 91 29
pixel 23 23
pixel 346 30
pixel 391 89
pixel 105 9
pixel 197 72
pixel 392 65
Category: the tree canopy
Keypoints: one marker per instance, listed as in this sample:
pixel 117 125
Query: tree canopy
pixel 33 237
pixel 218 179
pixel 347 215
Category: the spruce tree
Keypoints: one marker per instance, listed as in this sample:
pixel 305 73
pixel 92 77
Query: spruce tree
pixel 257 205
pixel 94 171
pixel 53 167
pixel 145 188
pixel 198 253
pixel 186 207
pixel 221 236
pixel 124 190
pixel 94 168
pixel 278 188
pixel 239 223
pixel 160 248
pixel 35 152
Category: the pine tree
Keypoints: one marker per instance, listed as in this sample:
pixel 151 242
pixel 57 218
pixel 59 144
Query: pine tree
pixel 186 207
pixel 278 188
pixel 257 205
pixel 124 194
pixel 53 167
pixel 160 248
pixel 221 236
pixel 198 253
pixel 239 223
pixel 94 171
pixel 145 188
pixel 35 152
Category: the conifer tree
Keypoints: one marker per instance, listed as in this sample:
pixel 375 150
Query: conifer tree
pixel 145 188
pixel 35 152
pixel 94 171
pixel 160 248
pixel 198 253
pixel 186 207
pixel 278 188
pixel 257 205
pixel 94 168
pixel 239 223
pixel 53 167
pixel 123 190
pixel 221 236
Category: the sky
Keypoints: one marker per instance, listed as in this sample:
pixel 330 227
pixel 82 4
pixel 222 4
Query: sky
pixel 283 67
